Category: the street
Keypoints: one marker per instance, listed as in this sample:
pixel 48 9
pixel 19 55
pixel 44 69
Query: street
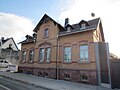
pixel 9 84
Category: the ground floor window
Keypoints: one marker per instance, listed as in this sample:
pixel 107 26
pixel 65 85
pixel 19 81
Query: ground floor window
pixel 67 54
pixel 84 53
pixel 23 56
pixel 31 55
pixel 44 54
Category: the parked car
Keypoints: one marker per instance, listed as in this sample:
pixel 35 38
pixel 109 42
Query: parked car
pixel 12 68
pixel 3 64
pixel 7 66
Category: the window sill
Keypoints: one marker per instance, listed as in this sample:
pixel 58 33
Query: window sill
pixel 23 61
pixel 31 61
pixel 44 37
pixel 67 62
pixel 84 61
pixel 44 62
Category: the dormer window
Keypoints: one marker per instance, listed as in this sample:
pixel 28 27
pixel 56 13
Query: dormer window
pixel 68 29
pixel 46 32
pixel 83 26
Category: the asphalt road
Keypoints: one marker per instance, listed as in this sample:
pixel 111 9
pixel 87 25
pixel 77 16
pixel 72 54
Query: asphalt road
pixel 9 84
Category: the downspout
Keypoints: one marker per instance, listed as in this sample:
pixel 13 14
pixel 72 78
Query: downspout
pixel 57 59
pixel 1 47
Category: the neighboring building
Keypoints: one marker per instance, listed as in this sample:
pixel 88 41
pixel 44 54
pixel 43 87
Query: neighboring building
pixel 9 50
pixel 73 52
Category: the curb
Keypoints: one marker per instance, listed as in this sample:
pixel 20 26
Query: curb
pixel 26 82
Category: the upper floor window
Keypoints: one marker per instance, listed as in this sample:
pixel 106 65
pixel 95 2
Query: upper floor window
pixel 83 26
pixel 84 53
pixel 68 29
pixel 46 32
pixel 31 55
pixel 67 54
pixel 48 50
pixel 41 54
pixel 23 55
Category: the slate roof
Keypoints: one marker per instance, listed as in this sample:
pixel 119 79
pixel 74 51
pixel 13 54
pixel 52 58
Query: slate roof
pixel 75 28
pixel 91 25
pixel 29 39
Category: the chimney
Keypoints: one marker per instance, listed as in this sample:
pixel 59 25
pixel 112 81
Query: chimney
pixel 66 21
pixel 34 35
pixel 2 38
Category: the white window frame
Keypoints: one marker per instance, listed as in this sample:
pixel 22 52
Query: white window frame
pixel 83 78
pixel 47 54
pixel 41 54
pixel 69 54
pixel 84 53
pixel 31 54
pixel 83 26
pixel 24 53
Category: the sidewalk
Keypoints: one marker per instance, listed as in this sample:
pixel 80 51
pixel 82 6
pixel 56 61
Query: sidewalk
pixel 51 83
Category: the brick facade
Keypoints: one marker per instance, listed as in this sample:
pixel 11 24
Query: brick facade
pixel 75 70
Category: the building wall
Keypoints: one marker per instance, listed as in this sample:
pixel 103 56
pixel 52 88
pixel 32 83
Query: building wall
pixel 26 47
pixel 73 70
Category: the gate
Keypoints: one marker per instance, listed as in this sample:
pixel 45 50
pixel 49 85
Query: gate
pixel 115 73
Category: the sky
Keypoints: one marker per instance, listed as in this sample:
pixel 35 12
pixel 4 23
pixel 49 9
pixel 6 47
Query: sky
pixel 19 17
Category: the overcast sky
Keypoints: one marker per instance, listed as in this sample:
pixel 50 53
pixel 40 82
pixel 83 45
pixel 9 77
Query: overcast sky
pixel 19 17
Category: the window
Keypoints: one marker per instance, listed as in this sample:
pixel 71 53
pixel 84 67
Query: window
pixel 46 32
pixel 84 77
pixel 41 54
pixel 45 74
pixel 66 76
pixel 83 26
pixel 48 54
pixel 84 53
pixel 31 55
pixel 44 54
pixel 67 54
pixel 68 29
pixel 23 55
pixel 40 73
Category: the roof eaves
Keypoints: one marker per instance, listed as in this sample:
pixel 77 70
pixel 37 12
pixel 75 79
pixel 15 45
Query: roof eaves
pixel 77 32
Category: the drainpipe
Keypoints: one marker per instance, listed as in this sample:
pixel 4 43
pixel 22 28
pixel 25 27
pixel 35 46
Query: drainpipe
pixel 57 50
pixel 1 47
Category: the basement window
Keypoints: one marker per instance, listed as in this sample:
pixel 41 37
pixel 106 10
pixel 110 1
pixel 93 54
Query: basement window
pixel 66 76
pixel 84 77
pixel 40 74
pixel 45 74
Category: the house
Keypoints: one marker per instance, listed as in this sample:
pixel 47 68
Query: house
pixel 74 52
pixel 9 50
